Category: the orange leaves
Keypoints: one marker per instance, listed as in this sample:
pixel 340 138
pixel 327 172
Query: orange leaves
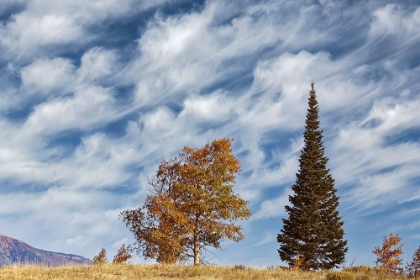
pixel 191 196
pixel 122 255
pixel 100 258
pixel 297 262
pixel 388 257
pixel 413 268
pixel 206 179
pixel 170 228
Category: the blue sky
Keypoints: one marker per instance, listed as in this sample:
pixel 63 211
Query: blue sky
pixel 95 94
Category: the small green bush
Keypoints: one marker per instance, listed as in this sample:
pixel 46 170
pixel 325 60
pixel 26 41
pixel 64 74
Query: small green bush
pixel 340 276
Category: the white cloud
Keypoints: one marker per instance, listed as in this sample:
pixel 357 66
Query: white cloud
pixel 27 32
pixel 267 238
pixel 228 70
pixel 117 244
pixel 71 241
pixel 183 54
pixel 380 170
pixel 272 208
pixel 392 19
pixel 214 107
pixel 394 114
pixel 48 76
pixel 72 112
pixel 97 63
pixel 280 87
pixel 43 23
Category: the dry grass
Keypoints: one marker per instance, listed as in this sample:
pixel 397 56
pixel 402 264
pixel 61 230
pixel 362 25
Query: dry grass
pixel 158 272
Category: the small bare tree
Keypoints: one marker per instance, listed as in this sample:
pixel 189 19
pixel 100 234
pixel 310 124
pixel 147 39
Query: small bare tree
pixel 100 258
pixel 122 255
pixel 388 257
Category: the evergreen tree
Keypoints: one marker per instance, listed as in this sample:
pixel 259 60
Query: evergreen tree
pixel 313 230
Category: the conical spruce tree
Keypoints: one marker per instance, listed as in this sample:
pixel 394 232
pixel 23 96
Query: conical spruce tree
pixel 313 231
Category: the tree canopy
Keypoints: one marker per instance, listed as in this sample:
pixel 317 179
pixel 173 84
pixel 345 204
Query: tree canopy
pixel 191 206
pixel 388 256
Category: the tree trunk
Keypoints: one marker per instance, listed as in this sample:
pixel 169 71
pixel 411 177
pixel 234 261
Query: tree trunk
pixel 196 243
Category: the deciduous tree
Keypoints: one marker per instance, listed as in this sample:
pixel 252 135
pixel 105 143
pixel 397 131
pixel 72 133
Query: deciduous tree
pixel 413 268
pixel 297 262
pixel 313 234
pixel 100 258
pixel 388 256
pixel 192 205
pixel 122 255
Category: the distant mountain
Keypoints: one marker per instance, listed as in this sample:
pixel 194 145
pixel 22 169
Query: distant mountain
pixel 15 251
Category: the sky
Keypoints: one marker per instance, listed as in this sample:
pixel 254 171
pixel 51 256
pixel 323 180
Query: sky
pixel 95 94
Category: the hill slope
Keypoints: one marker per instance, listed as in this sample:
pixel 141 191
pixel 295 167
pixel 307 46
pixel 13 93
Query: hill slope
pixel 16 251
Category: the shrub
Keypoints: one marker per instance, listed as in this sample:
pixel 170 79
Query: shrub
pixel 359 269
pixel 122 255
pixel 297 262
pixel 100 258
pixel 239 267
pixel 413 268
pixel 364 272
pixel 388 257
pixel 343 275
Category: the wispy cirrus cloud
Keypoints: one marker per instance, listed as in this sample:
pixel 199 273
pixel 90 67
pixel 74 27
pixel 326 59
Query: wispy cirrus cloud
pixel 94 95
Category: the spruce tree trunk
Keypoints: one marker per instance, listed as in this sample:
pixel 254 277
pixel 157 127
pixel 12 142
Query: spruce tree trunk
pixel 196 243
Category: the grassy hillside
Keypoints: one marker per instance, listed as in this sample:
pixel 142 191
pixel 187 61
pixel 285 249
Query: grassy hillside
pixel 128 272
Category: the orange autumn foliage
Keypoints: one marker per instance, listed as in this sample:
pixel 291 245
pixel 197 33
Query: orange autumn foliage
pixel 413 268
pixel 100 258
pixel 192 205
pixel 122 255
pixel 297 262
pixel 388 257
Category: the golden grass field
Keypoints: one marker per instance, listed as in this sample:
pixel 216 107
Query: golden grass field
pixel 137 272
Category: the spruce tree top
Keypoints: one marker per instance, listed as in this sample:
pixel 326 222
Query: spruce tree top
pixel 313 175
pixel 313 230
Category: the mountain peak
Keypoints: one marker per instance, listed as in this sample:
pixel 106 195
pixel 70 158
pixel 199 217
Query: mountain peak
pixel 15 251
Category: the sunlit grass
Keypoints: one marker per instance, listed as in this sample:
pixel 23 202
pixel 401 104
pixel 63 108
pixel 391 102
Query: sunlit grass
pixel 128 272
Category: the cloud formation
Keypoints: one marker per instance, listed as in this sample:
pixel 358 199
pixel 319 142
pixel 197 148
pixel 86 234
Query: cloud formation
pixel 93 95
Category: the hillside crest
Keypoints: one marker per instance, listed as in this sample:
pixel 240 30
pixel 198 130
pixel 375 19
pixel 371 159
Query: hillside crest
pixel 15 251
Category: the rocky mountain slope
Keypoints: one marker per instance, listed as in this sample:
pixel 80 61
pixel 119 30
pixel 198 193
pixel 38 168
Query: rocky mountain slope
pixel 15 251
